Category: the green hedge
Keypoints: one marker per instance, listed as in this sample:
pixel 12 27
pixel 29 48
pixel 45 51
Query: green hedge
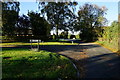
pixel 110 36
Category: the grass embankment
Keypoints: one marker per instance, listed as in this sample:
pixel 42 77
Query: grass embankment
pixel 111 46
pixel 24 63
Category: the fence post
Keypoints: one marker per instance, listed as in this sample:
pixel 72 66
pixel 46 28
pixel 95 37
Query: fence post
pixel 72 42
pixel 38 44
pixel 31 43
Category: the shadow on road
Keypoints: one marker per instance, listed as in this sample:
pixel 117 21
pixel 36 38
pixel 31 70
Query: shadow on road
pixel 102 66
pixel 59 48
pixel 56 48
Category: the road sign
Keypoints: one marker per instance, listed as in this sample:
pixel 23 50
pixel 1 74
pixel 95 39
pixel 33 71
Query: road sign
pixel 35 40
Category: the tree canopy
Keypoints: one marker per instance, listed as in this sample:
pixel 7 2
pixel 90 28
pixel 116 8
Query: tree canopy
pixel 90 19
pixel 22 25
pixel 10 11
pixel 55 15
pixel 39 26
pixel 59 14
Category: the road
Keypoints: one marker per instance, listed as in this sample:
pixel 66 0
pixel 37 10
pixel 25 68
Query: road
pixel 92 60
pixel 101 62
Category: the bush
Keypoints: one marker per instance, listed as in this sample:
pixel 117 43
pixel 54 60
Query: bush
pixel 64 35
pixel 89 34
pixel 110 36
pixel 72 36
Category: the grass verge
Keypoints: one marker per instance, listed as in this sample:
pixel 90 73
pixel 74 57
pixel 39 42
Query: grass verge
pixel 43 43
pixel 24 63
pixel 108 45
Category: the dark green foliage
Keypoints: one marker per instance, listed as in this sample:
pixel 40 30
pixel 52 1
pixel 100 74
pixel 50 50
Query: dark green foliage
pixel 54 36
pixel 72 36
pixel 10 12
pixel 59 14
pixel 40 27
pixel 90 20
pixel 89 34
pixel 32 27
pixel 64 35
pixel 110 36
pixel 23 25
pixel 9 20
pixel 111 32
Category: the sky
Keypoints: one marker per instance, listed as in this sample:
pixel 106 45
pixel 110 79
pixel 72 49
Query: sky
pixel 112 12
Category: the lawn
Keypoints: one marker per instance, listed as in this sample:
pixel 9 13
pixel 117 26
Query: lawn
pixel 43 43
pixel 25 63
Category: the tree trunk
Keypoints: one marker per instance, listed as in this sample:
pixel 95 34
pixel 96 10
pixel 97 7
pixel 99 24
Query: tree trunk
pixel 56 31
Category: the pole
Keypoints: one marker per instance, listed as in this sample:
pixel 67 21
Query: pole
pixel 38 45
pixel 31 43
pixel 56 31
pixel 72 42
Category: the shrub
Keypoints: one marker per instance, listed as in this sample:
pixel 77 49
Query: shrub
pixel 72 36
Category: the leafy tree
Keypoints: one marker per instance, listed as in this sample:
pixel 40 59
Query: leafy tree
pixel 39 26
pixel 64 35
pixel 10 12
pixel 110 36
pixel 59 14
pixel 90 20
pixel 111 32
pixel 22 25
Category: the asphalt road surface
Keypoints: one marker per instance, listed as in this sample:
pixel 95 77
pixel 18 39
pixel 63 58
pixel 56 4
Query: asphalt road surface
pixel 95 60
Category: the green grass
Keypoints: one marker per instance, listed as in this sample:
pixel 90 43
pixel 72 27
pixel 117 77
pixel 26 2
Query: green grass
pixel 112 46
pixel 62 40
pixel 44 43
pixel 24 63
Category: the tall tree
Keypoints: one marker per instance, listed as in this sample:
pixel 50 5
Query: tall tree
pixel 23 24
pixel 10 11
pixel 39 26
pixel 90 19
pixel 59 14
